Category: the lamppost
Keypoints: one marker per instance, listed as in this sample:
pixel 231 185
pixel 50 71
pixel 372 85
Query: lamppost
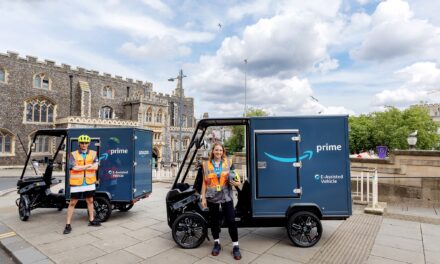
pixel 412 140
pixel 245 80
pixel 179 79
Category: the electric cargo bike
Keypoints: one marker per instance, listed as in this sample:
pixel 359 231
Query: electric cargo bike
pixel 124 174
pixel 295 173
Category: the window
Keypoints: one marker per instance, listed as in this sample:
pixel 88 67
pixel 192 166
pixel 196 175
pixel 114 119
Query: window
pixel 183 121
pixel 149 115
pixel 106 112
pixel 6 143
pixel 2 75
pixel 42 144
pixel 39 110
pixel 173 114
pixel 128 91
pixel 159 116
pixel 107 92
pixel 42 81
pixel 185 142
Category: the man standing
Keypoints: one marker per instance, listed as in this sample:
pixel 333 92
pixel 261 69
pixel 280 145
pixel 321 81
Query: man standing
pixel 83 164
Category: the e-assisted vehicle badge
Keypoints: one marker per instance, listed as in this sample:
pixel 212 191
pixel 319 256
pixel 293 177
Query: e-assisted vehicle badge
pixel 218 188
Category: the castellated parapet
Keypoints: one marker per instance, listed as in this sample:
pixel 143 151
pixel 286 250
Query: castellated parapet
pixel 80 97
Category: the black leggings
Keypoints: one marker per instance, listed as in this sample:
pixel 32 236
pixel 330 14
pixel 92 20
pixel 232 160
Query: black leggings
pixel 229 213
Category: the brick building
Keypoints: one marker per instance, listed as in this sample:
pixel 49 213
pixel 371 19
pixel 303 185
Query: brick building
pixel 40 95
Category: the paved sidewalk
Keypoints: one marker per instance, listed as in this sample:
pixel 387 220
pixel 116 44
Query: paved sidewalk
pixel 143 236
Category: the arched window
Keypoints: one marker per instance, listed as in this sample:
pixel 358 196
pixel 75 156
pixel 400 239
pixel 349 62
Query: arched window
pixel 42 81
pixel 149 115
pixel 173 144
pixel 6 143
pixel 43 144
pixel 3 75
pixel 39 110
pixel 107 92
pixel 159 116
pixel 106 112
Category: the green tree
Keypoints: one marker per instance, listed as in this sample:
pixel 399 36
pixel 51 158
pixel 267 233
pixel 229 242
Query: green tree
pixel 236 142
pixel 391 128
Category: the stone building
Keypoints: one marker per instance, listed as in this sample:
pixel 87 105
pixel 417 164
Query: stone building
pixel 434 112
pixel 41 94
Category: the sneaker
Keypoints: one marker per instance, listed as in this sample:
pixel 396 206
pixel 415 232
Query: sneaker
pixel 94 223
pixel 216 249
pixel 236 253
pixel 67 229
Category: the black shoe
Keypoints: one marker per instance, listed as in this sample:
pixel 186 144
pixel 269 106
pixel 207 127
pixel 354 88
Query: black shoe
pixel 94 223
pixel 67 229
pixel 216 249
pixel 236 253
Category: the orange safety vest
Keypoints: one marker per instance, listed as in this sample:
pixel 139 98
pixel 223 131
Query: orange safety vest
pixel 77 177
pixel 211 180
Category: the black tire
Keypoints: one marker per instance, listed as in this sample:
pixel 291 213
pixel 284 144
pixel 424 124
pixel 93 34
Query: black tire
pixel 125 207
pixel 24 210
pixel 304 229
pixel 189 230
pixel 103 209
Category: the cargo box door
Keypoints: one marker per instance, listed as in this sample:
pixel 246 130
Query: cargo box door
pixel 142 163
pixel 277 163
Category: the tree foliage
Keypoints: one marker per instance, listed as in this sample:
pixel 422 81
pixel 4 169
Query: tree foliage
pixel 236 142
pixel 391 128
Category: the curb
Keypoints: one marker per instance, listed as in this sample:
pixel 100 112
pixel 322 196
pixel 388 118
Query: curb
pixel 8 191
pixel 21 251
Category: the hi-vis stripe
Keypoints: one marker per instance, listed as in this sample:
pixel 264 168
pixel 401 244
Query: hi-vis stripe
pixel 9 234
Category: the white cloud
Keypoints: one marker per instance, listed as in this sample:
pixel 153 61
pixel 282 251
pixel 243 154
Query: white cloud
pixel 281 45
pixel 420 80
pixel 156 48
pixel 395 33
pixel 159 6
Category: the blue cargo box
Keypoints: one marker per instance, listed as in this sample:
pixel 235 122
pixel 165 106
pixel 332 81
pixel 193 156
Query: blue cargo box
pixel 125 157
pixel 300 161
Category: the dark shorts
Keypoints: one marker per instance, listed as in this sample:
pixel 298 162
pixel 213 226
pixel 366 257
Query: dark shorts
pixel 82 195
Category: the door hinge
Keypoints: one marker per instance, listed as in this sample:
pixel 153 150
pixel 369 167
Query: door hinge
pixel 296 138
pixel 297 190
pixel 297 164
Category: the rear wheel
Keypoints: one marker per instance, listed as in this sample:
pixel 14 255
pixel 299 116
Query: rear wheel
pixel 24 210
pixel 189 230
pixel 103 208
pixel 304 229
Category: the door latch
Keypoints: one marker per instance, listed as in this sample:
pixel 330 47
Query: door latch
pixel 262 165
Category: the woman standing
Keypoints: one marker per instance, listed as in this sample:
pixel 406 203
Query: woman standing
pixel 218 179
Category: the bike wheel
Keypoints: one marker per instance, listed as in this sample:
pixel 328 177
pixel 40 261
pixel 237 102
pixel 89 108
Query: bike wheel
pixel 24 210
pixel 304 229
pixel 189 230
pixel 103 209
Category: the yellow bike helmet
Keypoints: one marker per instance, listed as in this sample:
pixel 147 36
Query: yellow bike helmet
pixel 84 138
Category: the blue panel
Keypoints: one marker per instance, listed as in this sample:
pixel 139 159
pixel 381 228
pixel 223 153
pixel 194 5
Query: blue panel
pixel 277 177
pixel 143 156
pixel 324 176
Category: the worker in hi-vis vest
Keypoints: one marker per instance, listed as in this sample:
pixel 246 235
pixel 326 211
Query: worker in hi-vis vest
pixel 83 165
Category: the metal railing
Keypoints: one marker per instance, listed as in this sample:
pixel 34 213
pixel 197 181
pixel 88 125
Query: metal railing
pixel 367 177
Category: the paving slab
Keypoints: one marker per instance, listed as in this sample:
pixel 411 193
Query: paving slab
pixel 433 257
pixel 173 256
pixel 151 247
pixel 116 257
pixel 115 243
pixel 78 255
pixel 379 260
pixel 398 254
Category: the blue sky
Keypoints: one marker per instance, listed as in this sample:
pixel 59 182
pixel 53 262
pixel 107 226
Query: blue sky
pixel 353 56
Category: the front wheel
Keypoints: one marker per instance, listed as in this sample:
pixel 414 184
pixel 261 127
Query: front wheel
pixel 103 208
pixel 189 230
pixel 24 210
pixel 304 229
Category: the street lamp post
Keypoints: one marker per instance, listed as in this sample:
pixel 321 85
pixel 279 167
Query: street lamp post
pixel 179 79
pixel 245 88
